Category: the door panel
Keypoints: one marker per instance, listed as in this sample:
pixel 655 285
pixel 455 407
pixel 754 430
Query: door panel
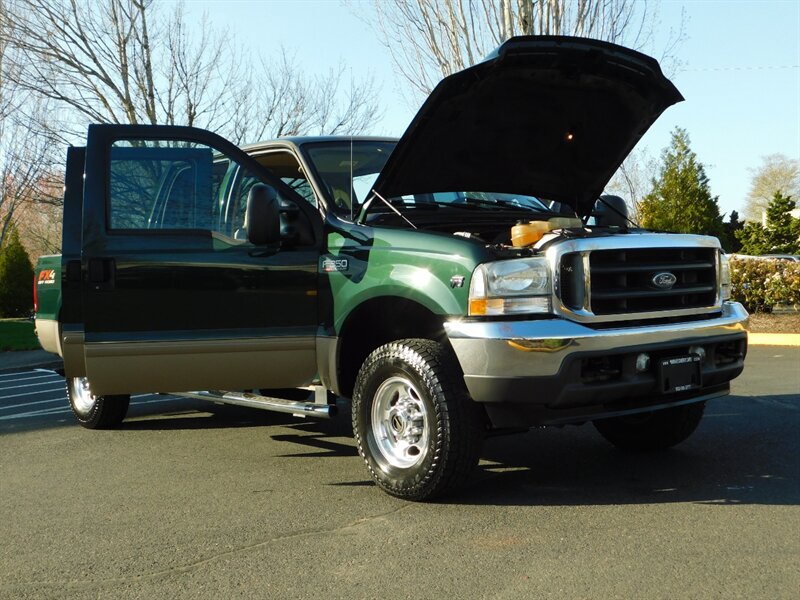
pixel 175 298
pixel 70 318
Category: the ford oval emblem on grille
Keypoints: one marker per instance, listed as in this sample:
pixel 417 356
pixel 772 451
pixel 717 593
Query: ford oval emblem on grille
pixel 664 281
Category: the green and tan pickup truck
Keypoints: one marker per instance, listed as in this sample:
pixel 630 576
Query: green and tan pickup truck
pixel 465 280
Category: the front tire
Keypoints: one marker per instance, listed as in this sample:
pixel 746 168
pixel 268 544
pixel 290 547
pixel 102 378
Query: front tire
pixel 95 412
pixel 657 430
pixel 415 425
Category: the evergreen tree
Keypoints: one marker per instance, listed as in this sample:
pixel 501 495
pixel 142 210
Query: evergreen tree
pixel 16 279
pixel 753 239
pixel 681 200
pixel 732 227
pixel 781 234
pixel 783 228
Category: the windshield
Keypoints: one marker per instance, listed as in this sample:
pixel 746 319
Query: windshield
pixel 497 200
pixel 348 169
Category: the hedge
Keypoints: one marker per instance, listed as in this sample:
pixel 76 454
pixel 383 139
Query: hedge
pixel 761 284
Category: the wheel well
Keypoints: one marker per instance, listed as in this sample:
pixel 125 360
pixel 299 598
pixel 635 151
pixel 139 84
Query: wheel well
pixel 378 322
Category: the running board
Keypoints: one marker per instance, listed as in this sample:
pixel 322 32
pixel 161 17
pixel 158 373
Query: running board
pixel 292 407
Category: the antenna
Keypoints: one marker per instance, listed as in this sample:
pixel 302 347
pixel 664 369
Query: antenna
pixel 352 207
pixel 351 177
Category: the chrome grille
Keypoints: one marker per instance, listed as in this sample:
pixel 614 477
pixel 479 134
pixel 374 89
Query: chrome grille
pixel 626 280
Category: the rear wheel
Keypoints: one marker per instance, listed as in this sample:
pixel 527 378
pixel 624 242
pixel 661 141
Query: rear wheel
pixel 415 425
pixel 95 412
pixel 652 431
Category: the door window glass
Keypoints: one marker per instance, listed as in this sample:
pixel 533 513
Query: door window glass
pixel 166 185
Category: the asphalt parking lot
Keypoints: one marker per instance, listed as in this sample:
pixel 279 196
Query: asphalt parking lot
pixel 193 500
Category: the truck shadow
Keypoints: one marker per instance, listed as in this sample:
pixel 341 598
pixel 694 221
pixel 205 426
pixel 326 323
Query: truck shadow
pixel 744 452
pixel 183 413
pixel 199 414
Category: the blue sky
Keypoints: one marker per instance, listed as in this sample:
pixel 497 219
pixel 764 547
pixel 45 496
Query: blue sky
pixel 740 74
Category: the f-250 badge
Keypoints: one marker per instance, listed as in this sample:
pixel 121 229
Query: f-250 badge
pixel 331 265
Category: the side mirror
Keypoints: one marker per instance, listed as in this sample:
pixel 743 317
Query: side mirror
pixel 263 217
pixel 611 211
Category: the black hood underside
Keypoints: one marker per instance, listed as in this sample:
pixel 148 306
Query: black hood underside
pixel 552 117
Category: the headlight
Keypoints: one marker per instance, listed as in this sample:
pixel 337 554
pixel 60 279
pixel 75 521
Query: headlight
pixel 724 277
pixel 510 287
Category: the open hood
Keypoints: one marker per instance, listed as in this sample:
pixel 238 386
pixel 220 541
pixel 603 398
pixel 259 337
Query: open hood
pixel 547 116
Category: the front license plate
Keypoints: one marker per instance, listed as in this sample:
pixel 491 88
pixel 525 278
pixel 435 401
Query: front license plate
pixel 679 373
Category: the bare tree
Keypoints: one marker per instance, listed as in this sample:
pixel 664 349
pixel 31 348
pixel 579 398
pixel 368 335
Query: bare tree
pixel 777 173
pixel 131 61
pixel 108 63
pixel 67 63
pixel 26 174
pixel 634 179
pixel 39 221
pixel 430 39
pixel 25 153
pixel 284 103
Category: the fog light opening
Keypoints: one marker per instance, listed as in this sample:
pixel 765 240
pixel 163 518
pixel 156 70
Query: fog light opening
pixel 700 351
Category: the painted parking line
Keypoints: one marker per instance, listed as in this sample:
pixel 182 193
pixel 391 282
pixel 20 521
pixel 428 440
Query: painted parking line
pixel 46 412
pixel 34 403
pixel 15 373
pixel 34 377
pixel 32 373
pixel 60 388
pixel 37 413
pixel 58 405
pixel 30 385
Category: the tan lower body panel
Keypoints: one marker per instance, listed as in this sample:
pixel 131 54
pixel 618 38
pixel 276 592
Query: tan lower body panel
pixel 180 366
pixel 47 332
pixel 72 343
pixel 327 348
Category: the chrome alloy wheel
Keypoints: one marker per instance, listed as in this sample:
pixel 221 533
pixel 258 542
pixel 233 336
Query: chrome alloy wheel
pixel 400 423
pixel 83 400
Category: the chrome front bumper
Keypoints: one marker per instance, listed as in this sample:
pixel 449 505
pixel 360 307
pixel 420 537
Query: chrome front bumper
pixel 539 359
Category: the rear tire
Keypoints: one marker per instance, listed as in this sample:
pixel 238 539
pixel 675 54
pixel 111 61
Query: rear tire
pixel 415 425
pixel 95 412
pixel 652 431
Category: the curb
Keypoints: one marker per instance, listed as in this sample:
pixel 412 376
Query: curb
pixel 774 339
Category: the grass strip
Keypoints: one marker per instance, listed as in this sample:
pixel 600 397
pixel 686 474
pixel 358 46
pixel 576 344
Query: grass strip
pixel 17 334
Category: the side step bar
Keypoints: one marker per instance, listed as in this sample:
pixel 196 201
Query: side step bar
pixel 292 407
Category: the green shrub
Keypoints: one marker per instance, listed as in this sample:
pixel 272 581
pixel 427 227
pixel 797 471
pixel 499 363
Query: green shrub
pixel 761 284
pixel 16 279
